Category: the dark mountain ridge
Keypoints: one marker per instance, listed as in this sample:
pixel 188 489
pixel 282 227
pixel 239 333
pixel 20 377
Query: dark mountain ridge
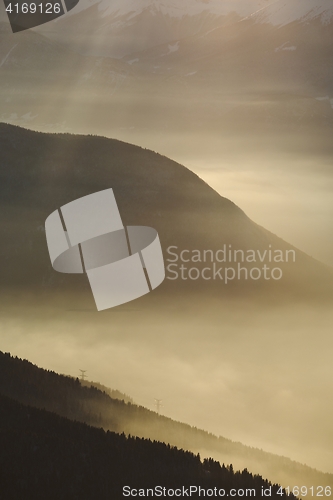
pixel 30 385
pixel 113 393
pixel 41 172
pixel 43 456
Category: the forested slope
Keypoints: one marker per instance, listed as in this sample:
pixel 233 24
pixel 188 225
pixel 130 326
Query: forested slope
pixel 65 396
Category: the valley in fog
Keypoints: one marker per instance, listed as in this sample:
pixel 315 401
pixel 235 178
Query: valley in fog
pixel 259 377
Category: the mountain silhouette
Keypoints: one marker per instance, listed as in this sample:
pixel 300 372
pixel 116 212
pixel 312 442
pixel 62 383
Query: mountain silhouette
pixel 41 172
pixel 43 456
pixel 29 385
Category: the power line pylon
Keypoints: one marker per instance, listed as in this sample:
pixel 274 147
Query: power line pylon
pixel 158 404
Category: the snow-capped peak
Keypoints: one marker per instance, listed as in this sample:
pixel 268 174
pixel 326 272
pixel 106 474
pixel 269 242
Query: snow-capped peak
pixel 174 8
pixel 283 12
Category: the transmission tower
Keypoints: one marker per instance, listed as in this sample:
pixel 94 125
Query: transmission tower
pixel 83 375
pixel 158 404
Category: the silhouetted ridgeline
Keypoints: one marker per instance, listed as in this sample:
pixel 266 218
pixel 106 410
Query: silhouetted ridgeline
pixel 41 172
pixel 114 394
pixel 65 396
pixel 44 456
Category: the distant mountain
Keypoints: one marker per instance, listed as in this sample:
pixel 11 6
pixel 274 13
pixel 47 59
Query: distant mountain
pixel 281 13
pixel 121 27
pixel 270 72
pixel 43 456
pixel 172 8
pixel 41 172
pixel 30 385
pixel 283 48
pixel 195 67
